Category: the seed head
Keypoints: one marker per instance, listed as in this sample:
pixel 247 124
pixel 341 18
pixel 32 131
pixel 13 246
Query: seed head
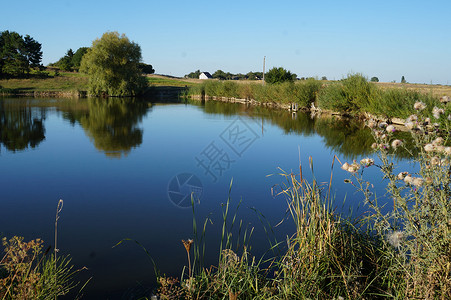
pixel 438 141
pixel 435 161
pixel 390 128
pixel 367 162
pixel 372 124
pixel 402 175
pixel 440 148
pixel 418 181
pixel 429 147
pixel 408 179
pixel 396 238
pixel 396 143
pixel 409 125
pixel 345 166
pixel 444 99
pixel 436 112
pixel 419 105
pixel 412 118
pixel 187 244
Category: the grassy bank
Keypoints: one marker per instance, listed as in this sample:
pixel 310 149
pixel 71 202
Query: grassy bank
pixel 74 81
pixel 353 95
pixel 63 82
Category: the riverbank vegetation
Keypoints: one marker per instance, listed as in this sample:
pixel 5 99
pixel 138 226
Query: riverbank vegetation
pixel 28 272
pixel 400 248
pixel 353 95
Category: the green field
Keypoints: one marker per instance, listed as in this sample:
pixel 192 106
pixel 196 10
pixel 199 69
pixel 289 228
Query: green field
pixel 65 81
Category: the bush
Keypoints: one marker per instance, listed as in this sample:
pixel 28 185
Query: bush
pixel 279 75
pixel 352 94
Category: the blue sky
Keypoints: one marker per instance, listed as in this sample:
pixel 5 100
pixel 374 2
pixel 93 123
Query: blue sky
pixel 387 39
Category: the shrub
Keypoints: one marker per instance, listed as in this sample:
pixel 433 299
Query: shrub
pixel 279 75
pixel 352 94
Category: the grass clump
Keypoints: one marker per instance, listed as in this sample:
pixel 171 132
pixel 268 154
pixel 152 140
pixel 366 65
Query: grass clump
pixel 352 94
pixel 28 273
pixel 327 256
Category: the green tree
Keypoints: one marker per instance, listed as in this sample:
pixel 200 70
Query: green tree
pixel 65 63
pixel 403 80
pixel 374 79
pixel 146 69
pixel 32 51
pixel 112 64
pixel 254 75
pixel 18 54
pixel 240 76
pixel 13 61
pixel 194 74
pixel 279 75
pixel 219 74
pixel 78 55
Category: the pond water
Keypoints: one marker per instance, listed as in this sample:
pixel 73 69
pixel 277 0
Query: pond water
pixel 125 169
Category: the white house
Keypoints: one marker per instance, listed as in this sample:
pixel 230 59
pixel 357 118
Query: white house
pixel 205 75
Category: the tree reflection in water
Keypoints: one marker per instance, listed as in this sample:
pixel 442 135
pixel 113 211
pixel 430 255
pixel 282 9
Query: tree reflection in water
pixel 21 126
pixel 113 125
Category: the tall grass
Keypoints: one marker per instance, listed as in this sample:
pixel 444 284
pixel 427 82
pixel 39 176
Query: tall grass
pixel 326 257
pixel 303 93
pixel 353 94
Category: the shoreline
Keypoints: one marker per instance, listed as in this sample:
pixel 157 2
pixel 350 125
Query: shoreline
pixel 294 108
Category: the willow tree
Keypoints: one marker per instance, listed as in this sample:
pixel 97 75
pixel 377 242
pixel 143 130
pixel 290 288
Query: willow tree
pixel 112 64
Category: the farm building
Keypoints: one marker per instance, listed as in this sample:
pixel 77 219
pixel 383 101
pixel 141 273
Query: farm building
pixel 205 75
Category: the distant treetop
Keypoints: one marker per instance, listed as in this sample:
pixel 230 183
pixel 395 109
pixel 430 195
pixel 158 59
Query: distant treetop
pixel 279 75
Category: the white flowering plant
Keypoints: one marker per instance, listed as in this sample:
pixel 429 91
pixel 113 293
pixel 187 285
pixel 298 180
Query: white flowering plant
pixel 415 232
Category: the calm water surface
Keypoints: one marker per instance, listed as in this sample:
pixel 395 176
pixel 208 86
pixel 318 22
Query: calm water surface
pixel 123 169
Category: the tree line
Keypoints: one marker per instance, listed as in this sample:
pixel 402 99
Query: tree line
pixel 274 75
pixel 221 75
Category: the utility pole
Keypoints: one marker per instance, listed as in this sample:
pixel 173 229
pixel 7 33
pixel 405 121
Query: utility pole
pixel 264 58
